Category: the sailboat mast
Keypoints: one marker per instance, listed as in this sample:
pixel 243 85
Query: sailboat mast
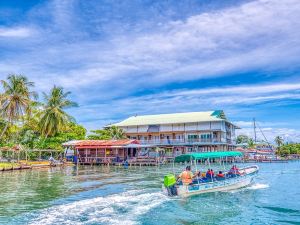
pixel 254 127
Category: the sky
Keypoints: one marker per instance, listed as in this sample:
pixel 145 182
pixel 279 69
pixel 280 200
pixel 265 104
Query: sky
pixel 136 57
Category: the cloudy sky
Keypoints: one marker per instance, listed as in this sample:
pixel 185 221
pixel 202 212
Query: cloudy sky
pixel 125 57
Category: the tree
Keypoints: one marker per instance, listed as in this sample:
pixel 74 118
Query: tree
pixel 112 132
pixel 116 132
pixel 53 117
pixel 16 99
pixel 288 149
pixel 28 138
pixel 99 135
pixel 73 132
pixel 242 139
pixel 279 141
pixel 251 143
pixel 3 127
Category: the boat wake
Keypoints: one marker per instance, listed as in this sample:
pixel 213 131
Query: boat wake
pixel 124 208
pixel 254 186
pixel 257 186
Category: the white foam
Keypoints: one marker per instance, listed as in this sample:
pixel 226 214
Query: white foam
pixel 257 186
pixel 114 209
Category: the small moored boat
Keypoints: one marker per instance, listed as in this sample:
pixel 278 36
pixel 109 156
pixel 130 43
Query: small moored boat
pixel 231 180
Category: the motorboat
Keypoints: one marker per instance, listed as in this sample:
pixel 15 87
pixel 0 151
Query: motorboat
pixel 231 180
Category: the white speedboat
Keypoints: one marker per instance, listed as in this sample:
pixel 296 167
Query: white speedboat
pixel 231 180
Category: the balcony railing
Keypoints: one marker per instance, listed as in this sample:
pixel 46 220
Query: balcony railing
pixel 181 141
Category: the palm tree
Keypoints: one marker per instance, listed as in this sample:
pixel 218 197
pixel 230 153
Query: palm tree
pixel 16 99
pixel 251 143
pixel 241 139
pixel 53 117
pixel 99 135
pixel 279 141
pixel 116 132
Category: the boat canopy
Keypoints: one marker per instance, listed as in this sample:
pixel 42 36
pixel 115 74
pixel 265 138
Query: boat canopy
pixel 206 155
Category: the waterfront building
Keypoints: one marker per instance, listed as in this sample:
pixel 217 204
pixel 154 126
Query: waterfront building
pixel 102 151
pixel 261 151
pixel 179 133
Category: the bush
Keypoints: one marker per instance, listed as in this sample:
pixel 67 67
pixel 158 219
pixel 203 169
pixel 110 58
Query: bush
pixel 288 149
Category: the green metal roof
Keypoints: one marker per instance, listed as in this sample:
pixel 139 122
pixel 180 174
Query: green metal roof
pixel 174 118
pixel 206 155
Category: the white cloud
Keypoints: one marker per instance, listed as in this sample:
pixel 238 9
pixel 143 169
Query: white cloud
pixel 260 34
pixel 257 35
pixel 16 32
pixel 233 99
pixel 288 134
pixel 216 97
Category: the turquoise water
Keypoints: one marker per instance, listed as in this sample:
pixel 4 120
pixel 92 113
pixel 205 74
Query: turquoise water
pixel 103 195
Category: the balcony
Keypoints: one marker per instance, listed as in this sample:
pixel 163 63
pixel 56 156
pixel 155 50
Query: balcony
pixel 181 141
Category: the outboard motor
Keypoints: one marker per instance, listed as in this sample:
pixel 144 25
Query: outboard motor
pixel 169 182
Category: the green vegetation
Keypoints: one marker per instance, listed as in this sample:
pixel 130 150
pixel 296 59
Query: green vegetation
pixel 32 124
pixel 251 143
pixel 53 117
pixel 288 149
pixel 241 139
pixel 15 100
pixel 8 165
pixel 112 132
pixel 279 141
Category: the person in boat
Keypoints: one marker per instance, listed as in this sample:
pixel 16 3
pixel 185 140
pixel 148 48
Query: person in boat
pixel 51 161
pixel 198 178
pixel 210 174
pixel 187 176
pixel 231 171
pixel 220 175
pixel 234 170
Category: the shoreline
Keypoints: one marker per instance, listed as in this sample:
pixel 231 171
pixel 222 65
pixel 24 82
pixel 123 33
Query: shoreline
pixel 42 165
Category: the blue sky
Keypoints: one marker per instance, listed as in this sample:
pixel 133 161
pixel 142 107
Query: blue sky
pixel 121 58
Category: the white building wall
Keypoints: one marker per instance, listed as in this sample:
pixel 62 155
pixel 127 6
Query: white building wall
pixel 124 129
pixel 166 127
pixel 223 137
pixel 132 129
pixel 223 126
pixel 142 129
pixel 191 126
pixel 216 125
pixel 204 126
pixel 178 127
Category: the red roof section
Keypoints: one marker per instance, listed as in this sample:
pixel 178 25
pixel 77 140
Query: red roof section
pixel 105 143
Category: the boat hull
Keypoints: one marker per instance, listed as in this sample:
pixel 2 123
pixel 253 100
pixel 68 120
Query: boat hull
pixel 221 185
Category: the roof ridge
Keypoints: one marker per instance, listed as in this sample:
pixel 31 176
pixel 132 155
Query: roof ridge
pixel 209 111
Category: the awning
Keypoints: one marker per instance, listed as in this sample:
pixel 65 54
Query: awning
pixel 206 155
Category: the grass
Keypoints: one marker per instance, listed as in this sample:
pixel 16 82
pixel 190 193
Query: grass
pixel 35 162
pixel 7 165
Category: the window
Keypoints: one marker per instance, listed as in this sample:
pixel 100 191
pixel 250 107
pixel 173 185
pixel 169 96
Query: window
pixel 193 136
pixel 153 128
pixel 205 136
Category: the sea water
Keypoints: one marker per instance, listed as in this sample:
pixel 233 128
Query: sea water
pixel 115 195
